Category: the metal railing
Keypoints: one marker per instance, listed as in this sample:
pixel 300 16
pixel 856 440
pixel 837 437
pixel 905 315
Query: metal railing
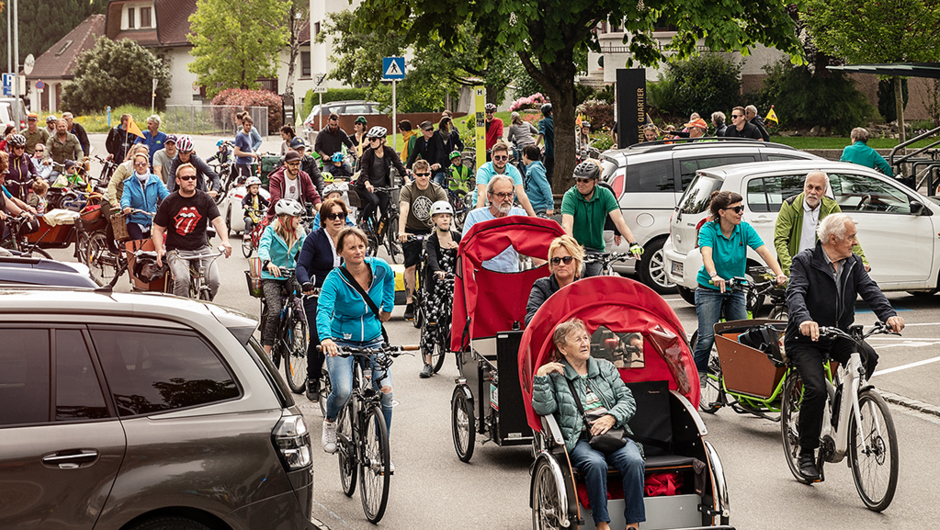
pixel 215 120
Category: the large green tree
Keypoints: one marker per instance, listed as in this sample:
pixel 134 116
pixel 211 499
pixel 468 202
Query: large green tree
pixel 116 73
pixel 42 24
pixel 885 31
pixel 235 42
pixel 547 35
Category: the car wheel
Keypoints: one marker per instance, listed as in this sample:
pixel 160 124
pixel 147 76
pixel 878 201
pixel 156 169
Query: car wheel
pixel 687 294
pixel 652 268
pixel 170 523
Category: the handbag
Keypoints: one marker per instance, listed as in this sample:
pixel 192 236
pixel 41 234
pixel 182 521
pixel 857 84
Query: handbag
pixel 365 296
pixel 612 440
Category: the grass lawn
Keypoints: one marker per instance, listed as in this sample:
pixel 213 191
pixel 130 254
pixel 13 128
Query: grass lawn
pixel 835 142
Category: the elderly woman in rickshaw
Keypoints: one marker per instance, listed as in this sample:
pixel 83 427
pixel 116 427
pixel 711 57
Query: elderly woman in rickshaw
pixel 602 401
pixel 565 257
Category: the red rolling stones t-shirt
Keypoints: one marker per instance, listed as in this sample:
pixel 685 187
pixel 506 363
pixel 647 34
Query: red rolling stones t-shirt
pixel 185 219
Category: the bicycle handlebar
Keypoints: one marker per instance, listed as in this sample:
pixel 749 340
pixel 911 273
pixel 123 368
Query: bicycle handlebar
pixel 879 328
pixel 607 257
pixel 205 256
pixel 394 351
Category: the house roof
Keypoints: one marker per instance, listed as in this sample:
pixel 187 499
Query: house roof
pixel 171 18
pixel 58 62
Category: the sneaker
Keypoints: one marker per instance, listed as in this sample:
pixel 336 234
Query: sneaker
pixel 808 467
pixel 313 389
pixel 328 438
pixel 410 311
pixel 426 372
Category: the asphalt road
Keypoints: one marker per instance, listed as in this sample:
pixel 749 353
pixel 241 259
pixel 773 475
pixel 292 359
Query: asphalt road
pixel 433 489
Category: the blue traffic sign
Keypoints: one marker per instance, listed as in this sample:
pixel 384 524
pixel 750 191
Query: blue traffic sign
pixel 8 84
pixel 393 68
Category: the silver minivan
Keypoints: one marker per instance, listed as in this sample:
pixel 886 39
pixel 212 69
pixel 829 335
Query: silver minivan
pixel 6 111
pixel 139 411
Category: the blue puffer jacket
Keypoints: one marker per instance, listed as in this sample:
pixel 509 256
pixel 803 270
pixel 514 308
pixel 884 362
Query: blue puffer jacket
pixel 143 197
pixel 537 187
pixel 343 315
pixel 273 248
pixel 551 394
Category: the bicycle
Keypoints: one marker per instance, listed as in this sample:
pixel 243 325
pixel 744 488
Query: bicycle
pixel 361 433
pixel 856 423
pixel 607 260
pixel 18 242
pixel 105 265
pixel 252 239
pixel 458 200
pixel 107 170
pixel 292 335
pixel 435 336
pixel 386 232
pixel 420 294
pixel 198 288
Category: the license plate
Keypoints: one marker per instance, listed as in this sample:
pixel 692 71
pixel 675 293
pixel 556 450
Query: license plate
pixel 677 268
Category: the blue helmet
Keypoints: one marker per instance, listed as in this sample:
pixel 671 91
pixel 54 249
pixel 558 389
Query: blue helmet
pixel 337 157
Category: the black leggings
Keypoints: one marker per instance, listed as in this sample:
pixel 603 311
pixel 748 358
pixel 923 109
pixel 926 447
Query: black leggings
pixel 371 200
pixel 272 301
pixel 314 357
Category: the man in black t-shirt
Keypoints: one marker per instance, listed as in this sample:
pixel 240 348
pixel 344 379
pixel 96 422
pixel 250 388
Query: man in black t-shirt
pixel 183 216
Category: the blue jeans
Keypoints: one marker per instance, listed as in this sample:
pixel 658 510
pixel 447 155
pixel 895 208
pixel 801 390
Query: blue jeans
pixel 439 176
pixel 710 304
pixel 341 379
pixel 594 464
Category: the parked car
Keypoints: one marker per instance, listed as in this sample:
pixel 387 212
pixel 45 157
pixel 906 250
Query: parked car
pixel 143 411
pixel 897 227
pixel 6 111
pixel 17 270
pixel 352 108
pixel 649 178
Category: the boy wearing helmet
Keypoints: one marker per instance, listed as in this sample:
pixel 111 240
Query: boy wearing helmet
pixel 442 260
pixel 459 175
pixel 254 204
pixel 223 154
pixel 337 168
pixel 415 207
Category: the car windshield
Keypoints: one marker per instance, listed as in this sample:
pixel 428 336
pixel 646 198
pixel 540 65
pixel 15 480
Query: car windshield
pixel 698 196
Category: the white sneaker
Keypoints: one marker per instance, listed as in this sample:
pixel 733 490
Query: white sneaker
pixel 328 438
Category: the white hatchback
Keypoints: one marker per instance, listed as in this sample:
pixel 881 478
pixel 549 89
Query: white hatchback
pixel 897 227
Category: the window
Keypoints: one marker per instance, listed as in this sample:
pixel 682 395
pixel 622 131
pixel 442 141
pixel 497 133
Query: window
pixel 774 158
pixel 305 70
pixel 78 394
pixel 131 18
pixel 859 193
pixel 624 349
pixel 650 177
pixel 767 194
pixel 316 30
pixel 24 376
pixel 688 167
pixel 698 196
pixel 65 46
pixel 151 372
pixel 145 17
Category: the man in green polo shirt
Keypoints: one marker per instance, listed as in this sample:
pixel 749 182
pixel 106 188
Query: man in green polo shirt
pixel 584 210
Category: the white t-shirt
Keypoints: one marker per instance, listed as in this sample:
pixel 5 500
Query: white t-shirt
pixel 291 188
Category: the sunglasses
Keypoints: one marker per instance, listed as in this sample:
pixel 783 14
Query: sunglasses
pixel 422 174
pixel 193 177
pixel 733 116
pixel 565 259
pixel 375 139
pixel 335 216
pixel 736 209
pixel 500 157
pixel 583 180
pixel 503 196
pixel 140 164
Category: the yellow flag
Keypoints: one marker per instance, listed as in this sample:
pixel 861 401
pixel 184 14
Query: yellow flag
pixel 133 128
pixel 772 116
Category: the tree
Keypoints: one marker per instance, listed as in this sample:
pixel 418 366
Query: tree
pixel 877 32
pixel 298 18
pixel 548 35
pixel 235 42
pixel 116 73
pixel 42 24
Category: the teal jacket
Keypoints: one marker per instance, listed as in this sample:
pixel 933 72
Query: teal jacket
pixel 550 394
pixel 343 315
pixel 273 248
pixel 859 153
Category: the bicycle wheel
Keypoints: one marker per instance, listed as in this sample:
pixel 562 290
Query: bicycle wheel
pixel 325 388
pixel 712 396
pixel 346 449
pixel 392 246
pixel 247 247
pixel 374 475
pixel 779 312
pixel 791 401
pixel 102 264
pixel 294 341
pixel 873 452
pixel 442 344
pixel 546 508
pixel 463 423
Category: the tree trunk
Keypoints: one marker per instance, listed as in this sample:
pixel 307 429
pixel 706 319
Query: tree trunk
pixel 899 106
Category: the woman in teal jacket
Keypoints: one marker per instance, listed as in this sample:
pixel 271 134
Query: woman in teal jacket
pixel 344 318
pixel 600 390
pixel 142 191
pixel 279 247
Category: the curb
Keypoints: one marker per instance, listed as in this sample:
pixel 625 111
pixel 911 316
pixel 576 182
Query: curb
pixel 912 404
pixel 319 525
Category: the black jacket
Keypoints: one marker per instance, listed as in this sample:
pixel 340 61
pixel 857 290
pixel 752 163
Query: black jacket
pixel 309 166
pixel 203 173
pixel 541 290
pixel 749 131
pixel 812 293
pixel 758 122
pixel 433 150
pixel 119 142
pixel 720 130
pixel 365 163
pixel 316 258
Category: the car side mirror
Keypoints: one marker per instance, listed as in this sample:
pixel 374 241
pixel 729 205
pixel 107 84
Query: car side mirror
pixel 919 208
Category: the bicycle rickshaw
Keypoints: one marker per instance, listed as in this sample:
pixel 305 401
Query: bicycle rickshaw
pixel 488 317
pixel 637 330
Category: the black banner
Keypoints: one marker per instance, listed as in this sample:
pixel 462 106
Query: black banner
pixel 631 105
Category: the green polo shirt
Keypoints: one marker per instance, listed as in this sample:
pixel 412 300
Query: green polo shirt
pixel 728 253
pixel 589 216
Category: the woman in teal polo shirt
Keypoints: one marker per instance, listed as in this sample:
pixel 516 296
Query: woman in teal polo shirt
pixel 723 242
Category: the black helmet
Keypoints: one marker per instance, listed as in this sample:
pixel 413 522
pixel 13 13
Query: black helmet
pixel 587 170
pixel 146 269
pixel 546 109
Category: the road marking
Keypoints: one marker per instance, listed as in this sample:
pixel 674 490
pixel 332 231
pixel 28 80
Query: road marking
pixel 906 366
pixel 906 325
pixel 911 339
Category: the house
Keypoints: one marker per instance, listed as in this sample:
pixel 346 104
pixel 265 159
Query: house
pixel 161 26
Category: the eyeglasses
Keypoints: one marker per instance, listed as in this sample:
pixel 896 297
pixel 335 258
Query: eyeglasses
pixel 500 157
pixel 564 259
pixel 188 177
pixel 422 174
pixel 736 209
pixel 335 216
pixel 503 196
pixel 583 180
pixel 490 112
pixel 294 165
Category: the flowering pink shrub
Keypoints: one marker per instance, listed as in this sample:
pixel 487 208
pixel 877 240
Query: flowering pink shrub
pixel 530 102
pixel 253 98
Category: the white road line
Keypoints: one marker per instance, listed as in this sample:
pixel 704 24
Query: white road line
pixel 906 325
pixel 906 366
pixel 905 339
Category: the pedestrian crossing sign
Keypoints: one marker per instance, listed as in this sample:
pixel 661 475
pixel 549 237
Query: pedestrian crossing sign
pixel 393 68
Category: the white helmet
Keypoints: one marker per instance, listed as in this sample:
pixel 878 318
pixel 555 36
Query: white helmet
pixel 335 188
pixel 288 207
pixel 252 181
pixel 441 207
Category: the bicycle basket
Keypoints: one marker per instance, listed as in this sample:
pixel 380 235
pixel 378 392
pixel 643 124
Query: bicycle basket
pixel 119 225
pixel 254 286
pixel 765 339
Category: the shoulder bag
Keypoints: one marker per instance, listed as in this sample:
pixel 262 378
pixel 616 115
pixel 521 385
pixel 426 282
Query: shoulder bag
pixel 612 440
pixel 365 296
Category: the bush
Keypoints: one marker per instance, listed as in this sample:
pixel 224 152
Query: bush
pixel 253 98
pixel 703 84
pixel 599 113
pixel 535 101
pixel 331 95
pixel 802 99
pixel 887 104
pixel 583 93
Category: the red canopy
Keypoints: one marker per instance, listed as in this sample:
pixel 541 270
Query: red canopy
pixel 487 302
pixel 623 306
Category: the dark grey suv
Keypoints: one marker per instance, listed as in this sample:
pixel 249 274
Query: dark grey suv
pixel 136 411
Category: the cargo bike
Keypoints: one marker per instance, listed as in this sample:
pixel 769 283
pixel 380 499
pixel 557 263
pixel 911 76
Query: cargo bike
pixel 634 328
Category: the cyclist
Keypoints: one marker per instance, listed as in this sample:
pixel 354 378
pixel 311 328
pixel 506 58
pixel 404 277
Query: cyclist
pixel 254 204
pixel 163 159
pixel 289 182
pixel 279 247
pixel 34 135
pixel 459 175
pixel 547 133
pixel 187 211
pixel 153 138
pixel 317 258
pixel 499 191
pixel 584 210
pixel 333 191
pixel 536 183
pixel 120 139
pixel 723 242
pixel 442 259
pixel 565 259
pixel 375 166
pixel 308 164
pixel 243 148
pixel 121 173
pixel 355 300
pixel 331 139
pixel 824 284
pixel 206 179
pixel 430 147
pixel 360 127
pixel 223 153
pixel 415 203
pixel 451 136
pixel 8 204
pixel 494 129
pixel 142 191
pixel 583 139
pixel 500 166
pixel 22 170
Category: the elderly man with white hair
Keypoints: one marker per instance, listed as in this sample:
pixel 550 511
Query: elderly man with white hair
pixel 500 192
pixel 824 283
pixel 860 153
pixel 750 112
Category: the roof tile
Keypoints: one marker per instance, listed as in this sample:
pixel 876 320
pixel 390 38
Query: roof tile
pixel 49 65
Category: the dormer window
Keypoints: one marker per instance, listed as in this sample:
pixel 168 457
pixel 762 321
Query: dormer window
pixel 138 15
